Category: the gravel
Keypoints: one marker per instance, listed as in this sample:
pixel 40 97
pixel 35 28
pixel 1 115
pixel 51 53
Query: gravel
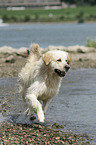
pixel 39 134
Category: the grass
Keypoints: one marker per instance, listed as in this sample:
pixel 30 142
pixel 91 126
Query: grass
pixel 91 43
pixel 59 15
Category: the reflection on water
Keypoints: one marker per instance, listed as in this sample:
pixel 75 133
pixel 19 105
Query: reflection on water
pixel 74 106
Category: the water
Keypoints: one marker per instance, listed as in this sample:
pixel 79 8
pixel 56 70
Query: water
pixel 74 106
pixel 18 35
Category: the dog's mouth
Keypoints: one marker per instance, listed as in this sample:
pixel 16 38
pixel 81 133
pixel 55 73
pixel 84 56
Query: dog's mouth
pixel 60 73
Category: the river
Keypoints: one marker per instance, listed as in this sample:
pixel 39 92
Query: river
pixel 18 35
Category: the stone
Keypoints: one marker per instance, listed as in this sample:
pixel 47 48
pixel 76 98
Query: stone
pixel 7 50
pixel 22 52
pixel 57 126
pixel 72 49
pixel 10 59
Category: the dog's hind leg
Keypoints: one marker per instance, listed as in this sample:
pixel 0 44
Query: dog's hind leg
pixel 33 103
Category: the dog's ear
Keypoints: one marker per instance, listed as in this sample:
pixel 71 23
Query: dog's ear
pixel 68 58
pixel 47 58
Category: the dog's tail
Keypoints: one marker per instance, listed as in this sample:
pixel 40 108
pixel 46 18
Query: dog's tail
pixel 34 52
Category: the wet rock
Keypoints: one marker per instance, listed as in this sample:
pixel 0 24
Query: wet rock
pixel 51 47
pixel 72 49
pixel 10 59
pixel 7 50
pixel 57 126
pixel 80 59
pixel 22 52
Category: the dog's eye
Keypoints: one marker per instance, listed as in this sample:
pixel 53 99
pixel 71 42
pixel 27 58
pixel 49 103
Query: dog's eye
pixel 67 61
pixel 59 60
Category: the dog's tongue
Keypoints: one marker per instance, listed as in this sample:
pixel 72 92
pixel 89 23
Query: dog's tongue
pixel 60 73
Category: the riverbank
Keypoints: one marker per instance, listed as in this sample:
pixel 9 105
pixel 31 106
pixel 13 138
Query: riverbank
pixel 39 134
pixel 12 60
pixel 76 14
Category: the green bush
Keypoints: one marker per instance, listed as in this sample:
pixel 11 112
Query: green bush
pixel 62 17
pixel 91 43
pixel 13 18
pixel 80 17
pixel 36 17
pixel 5 18
pixel 92 17
pixel 27 18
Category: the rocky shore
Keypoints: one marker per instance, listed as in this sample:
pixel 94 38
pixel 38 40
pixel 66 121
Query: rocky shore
pixel 37 134
pixel 11 62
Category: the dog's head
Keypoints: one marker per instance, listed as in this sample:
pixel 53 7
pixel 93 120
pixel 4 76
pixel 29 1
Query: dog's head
pixel 58 61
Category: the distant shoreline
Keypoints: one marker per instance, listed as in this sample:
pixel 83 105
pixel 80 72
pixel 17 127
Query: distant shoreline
pixel 78 14
pixel 67 22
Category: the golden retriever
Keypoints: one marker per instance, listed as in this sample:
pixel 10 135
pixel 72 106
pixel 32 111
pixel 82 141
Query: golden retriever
pixel 41 77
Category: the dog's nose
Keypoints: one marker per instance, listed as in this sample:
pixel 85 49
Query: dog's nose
pixel 67 67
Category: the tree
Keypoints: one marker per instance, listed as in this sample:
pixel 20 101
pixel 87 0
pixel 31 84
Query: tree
pixel 80 2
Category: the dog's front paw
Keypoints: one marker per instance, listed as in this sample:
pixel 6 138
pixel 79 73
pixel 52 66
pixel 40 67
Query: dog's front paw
pixel 40 116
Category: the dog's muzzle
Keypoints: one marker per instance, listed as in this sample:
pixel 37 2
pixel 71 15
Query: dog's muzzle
pixel 60 73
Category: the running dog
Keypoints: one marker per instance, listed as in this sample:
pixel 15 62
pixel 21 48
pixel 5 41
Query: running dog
pixel 41 77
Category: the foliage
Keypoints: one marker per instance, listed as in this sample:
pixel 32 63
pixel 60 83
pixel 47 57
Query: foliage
pixel 27 18
pixel 5 18
pixel 80 2
pixel 80 17
pixel 91 43
pixel 79 14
